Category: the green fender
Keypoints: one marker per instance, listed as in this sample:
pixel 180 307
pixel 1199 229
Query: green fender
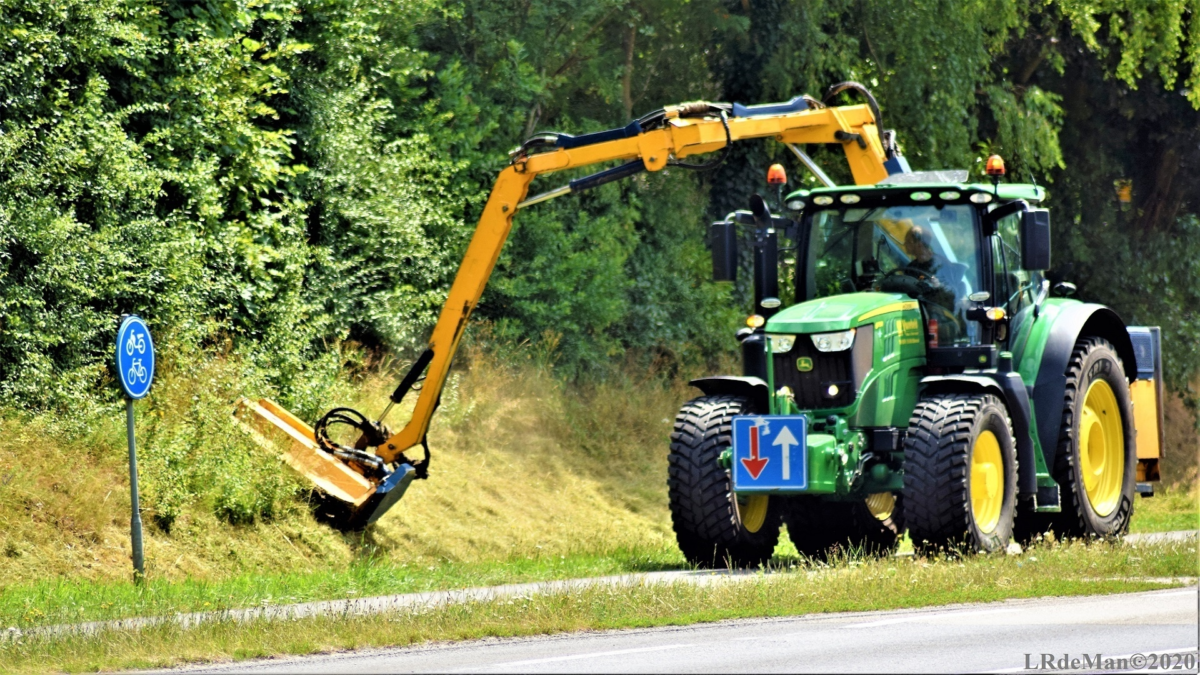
pixel 753 388
pixel 1045 338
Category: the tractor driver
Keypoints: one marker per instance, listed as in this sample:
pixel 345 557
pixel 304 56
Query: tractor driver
pixel 918 246
pixel 930 267
pixel 941 277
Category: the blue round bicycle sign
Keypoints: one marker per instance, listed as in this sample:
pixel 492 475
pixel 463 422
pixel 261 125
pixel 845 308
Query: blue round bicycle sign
pixel 135 357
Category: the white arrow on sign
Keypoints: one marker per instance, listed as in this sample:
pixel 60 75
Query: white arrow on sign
pixel 785 439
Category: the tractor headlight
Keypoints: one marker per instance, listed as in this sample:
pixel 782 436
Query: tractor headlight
pixel 833 342
pixel 782 344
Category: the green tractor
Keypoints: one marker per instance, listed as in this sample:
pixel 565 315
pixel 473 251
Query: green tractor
pixel 913 365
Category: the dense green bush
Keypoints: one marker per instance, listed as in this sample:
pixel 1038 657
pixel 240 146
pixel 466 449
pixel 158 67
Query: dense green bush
pixel 294 173
pixel 143 170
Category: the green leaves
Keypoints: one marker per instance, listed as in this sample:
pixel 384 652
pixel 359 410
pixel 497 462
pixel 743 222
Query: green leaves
pixel 1026 130
pixel 1141 37
pixel 289 174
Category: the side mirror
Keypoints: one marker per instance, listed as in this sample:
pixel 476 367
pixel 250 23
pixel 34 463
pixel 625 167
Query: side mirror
pixel 1035 239
pixel 723 239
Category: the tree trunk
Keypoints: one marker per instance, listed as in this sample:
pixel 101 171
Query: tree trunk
pixel 1163 202
pixel 627 78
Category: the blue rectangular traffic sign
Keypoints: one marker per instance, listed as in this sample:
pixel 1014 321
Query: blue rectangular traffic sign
pixel 769 453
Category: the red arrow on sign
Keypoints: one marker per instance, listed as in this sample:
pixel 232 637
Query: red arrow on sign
pixel 755 464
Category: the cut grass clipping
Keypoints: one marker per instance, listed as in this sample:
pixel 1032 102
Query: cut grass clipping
pixel 846 585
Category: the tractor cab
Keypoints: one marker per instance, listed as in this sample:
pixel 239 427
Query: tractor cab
pixel 966 260
pixel 954 248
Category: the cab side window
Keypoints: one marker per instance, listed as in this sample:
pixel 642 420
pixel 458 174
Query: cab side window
pixel 1014 286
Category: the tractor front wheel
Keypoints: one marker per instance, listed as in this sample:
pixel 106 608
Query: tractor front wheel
pixel 1096 460
pixel 960 474
pixel 714 527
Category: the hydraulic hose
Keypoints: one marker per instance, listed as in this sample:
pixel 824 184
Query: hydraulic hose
pixel 850 84
pixel 371 434
pixel 886 136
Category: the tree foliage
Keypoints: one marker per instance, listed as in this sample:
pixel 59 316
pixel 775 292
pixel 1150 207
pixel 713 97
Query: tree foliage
pixel 289 174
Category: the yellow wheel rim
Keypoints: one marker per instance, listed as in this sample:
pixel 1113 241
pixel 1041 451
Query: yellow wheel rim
pixel 987 482
pixel 752 510
pixel 881 504
pixel 1101 448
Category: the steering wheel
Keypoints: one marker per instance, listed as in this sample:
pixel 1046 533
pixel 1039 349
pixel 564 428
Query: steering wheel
pixel 912 281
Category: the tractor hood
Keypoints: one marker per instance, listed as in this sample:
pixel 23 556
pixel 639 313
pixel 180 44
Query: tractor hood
pixel 838 312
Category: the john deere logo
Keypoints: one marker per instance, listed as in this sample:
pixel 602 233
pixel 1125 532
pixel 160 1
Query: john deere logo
pixel 804 364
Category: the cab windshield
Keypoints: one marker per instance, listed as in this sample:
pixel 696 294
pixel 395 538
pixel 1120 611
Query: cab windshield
pixel 930 253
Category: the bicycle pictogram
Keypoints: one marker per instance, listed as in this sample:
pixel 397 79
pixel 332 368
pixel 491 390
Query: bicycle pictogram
pixel 137 372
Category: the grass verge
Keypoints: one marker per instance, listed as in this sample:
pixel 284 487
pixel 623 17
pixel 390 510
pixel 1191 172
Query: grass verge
pixel 849 585
pixel 58 602
pixel 1175 507
pixel 524 466
pixel 533 481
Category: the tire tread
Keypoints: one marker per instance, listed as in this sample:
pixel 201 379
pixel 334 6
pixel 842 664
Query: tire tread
pixel 702 506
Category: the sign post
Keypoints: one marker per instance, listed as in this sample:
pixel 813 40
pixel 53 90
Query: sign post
pixel 135 371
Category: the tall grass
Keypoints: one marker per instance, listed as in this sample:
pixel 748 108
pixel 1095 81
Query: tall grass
pixel 525 464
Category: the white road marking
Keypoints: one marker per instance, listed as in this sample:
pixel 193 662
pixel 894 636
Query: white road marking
pixel 926 617
pixel 573 657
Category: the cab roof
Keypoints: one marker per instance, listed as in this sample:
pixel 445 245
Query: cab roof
pixel 904 191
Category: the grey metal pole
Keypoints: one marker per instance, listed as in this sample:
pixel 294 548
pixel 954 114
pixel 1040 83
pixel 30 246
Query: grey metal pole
pixel 135 520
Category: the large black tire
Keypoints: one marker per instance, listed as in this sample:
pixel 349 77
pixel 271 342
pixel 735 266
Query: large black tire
pixel 944 435
pixel 1094 360
pixel 705 513
pixel 820 528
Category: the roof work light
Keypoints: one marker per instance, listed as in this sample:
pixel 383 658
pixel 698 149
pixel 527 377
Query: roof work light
pixel 995 166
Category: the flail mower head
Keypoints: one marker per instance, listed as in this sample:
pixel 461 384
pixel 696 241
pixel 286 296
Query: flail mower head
pixel 351 494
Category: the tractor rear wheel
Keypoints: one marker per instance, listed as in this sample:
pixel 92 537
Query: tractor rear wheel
pixel 1096 460
pixel 960 474
pixel 820 528
pixel 714 527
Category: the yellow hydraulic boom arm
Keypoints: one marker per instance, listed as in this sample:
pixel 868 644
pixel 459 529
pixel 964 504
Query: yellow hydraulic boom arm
pixel 680 138
pixel 677 132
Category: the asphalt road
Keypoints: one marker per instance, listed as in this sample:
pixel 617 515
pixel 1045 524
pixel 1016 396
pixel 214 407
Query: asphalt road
pixel 999 637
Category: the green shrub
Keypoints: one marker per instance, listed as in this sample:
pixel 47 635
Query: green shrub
pixel 287 175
